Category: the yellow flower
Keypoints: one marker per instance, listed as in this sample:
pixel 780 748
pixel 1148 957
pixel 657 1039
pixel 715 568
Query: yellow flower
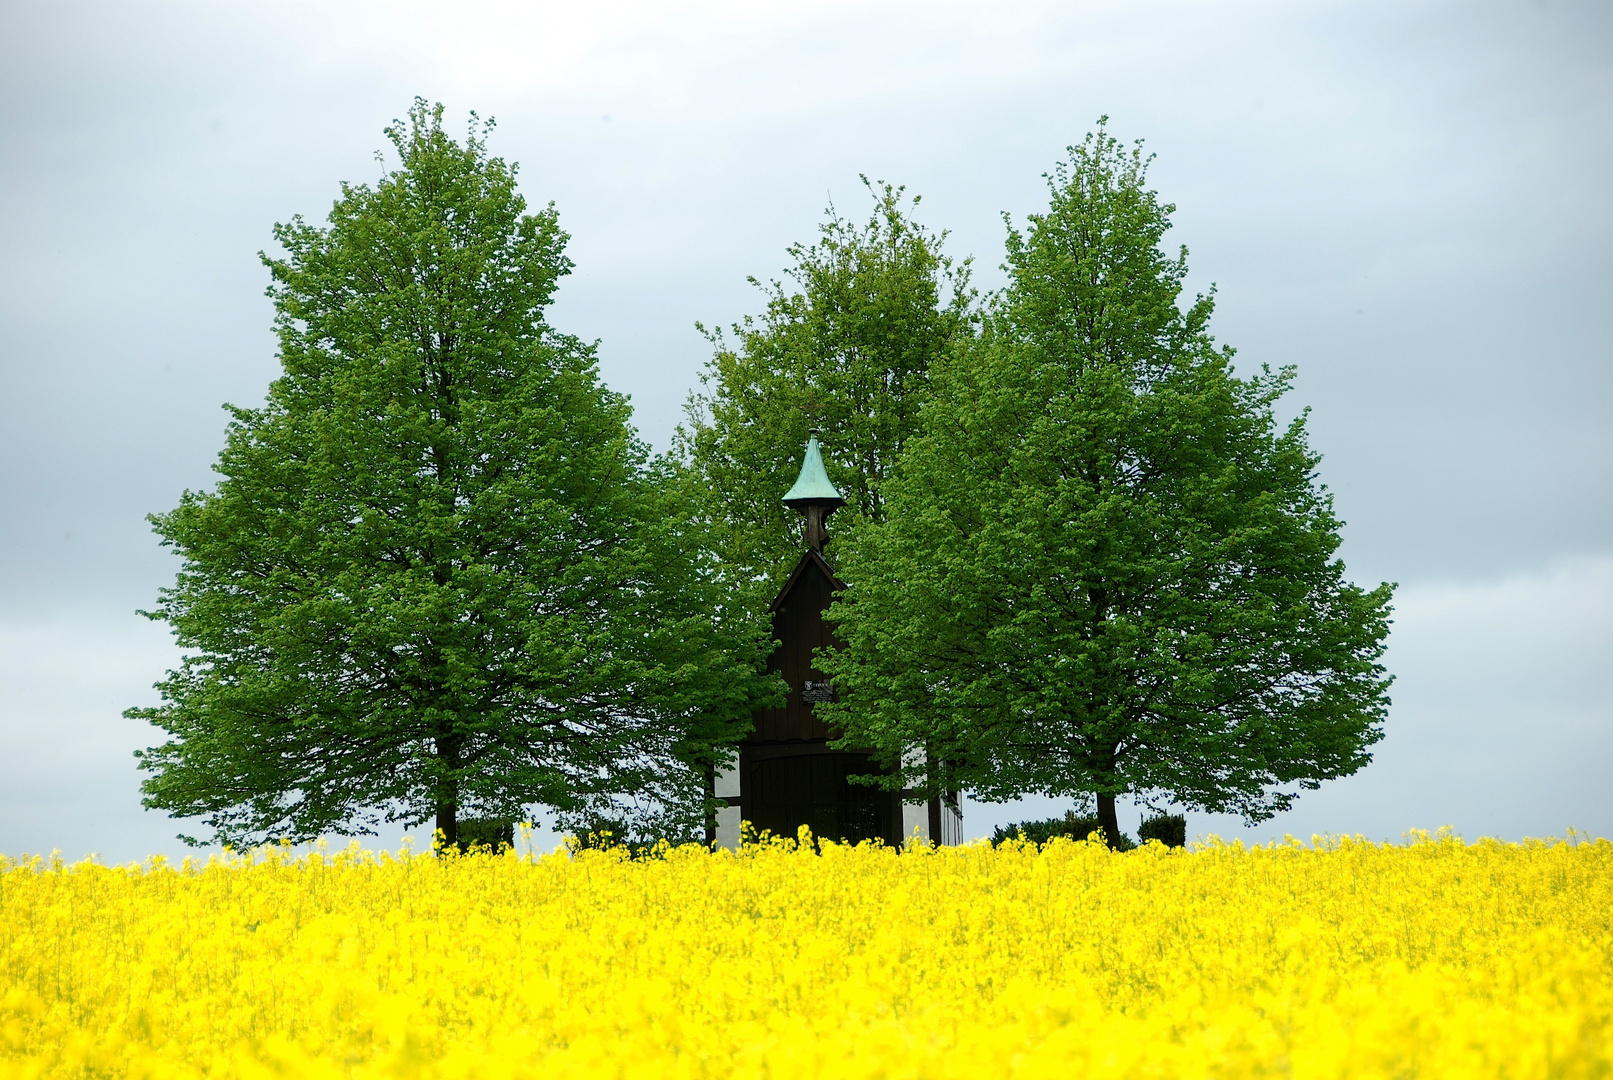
pixel 1343 958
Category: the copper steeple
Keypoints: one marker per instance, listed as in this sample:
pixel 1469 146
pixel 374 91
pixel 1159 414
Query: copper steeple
pixel 814 495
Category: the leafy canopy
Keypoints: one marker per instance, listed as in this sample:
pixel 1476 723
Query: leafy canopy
pixel 1104 567
pixel 439 574
pixel 847 352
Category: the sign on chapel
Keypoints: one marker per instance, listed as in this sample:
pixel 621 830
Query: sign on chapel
pixel 784 774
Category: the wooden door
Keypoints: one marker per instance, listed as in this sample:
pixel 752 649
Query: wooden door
pixel 813 790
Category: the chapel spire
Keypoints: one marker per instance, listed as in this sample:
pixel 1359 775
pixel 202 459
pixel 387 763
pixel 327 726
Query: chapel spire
pixel 814 495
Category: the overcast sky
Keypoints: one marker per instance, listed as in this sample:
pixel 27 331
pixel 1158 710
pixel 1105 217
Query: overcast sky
pixel 1410 201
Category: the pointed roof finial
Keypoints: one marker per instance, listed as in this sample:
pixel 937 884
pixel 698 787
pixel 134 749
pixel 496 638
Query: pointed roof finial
pixel 815 496
pixel 813 487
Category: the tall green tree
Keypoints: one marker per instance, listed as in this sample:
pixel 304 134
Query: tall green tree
pixel 847 350
pixel 1105 567
pixel 439 575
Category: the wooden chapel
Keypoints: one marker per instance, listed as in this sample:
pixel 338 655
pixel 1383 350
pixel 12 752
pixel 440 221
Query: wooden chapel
pixel 784 774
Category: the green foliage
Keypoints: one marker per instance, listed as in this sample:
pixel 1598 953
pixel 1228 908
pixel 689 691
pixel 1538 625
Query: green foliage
pixel 1105 568
pixel 615 834
pixel 847 352
pixel 1072 826
pixel 1168 829
pixel 492 834
pixel 439 573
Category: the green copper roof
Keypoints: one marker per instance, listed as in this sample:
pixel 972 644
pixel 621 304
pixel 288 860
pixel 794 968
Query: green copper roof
pixel 813 484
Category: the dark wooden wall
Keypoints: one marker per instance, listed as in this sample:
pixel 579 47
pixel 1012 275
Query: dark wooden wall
pixel 810 788
pixel 800 627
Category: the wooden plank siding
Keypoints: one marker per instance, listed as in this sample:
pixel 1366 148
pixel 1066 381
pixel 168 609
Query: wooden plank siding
pixel 800 627
pixel 788 774
pixel 785 773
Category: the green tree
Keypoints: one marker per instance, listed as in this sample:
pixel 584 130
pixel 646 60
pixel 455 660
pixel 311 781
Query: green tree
pixel 439 575
pixel 1105 567
pixel 847 352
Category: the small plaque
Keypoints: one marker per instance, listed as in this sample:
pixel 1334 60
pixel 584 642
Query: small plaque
pixel 817 690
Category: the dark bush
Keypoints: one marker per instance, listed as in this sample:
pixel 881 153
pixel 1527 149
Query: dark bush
pixel 604 834
pixel 1168 829
pixel 492 834
pixel 1076 827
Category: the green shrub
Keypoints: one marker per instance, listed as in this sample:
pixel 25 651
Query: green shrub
pixel 1168 829
pixel 492 834
pixel 604 834
pixel 1072 825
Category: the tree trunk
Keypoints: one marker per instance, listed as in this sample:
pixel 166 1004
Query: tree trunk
pixel 449 746
pixel 1108 821
pixel 448 823
pixel 711 810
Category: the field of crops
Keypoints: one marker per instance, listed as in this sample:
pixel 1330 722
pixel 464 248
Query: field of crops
pixel 1434 958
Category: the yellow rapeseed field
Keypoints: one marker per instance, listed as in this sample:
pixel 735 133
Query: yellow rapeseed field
pixel 1434 958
